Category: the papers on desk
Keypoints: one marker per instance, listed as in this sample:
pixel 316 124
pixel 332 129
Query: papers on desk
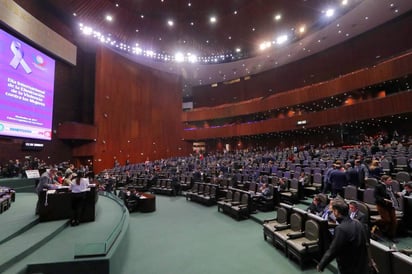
pixel 51 191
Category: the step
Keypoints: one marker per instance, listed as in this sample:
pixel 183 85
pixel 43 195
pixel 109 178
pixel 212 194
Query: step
pixel 15 249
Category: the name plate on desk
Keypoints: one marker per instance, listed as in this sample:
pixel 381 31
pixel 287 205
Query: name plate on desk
pixel 32 174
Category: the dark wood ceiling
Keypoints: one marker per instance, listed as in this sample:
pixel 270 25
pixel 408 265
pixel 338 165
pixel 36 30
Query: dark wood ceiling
pixel 240 24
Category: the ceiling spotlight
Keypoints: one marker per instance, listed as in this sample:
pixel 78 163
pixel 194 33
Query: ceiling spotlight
pixel 238 50
pixel 87 30
pixel 179 57
pixel 192 58
pixel 330 12
pixel 213 19
pixel 264 45
pixel 344 2
pixel 302 29
pixel 281 39
pixel 170 23
pixel 109 18
pixel 278 17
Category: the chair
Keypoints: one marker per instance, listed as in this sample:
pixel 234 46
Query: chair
pixel 222 202
pixel 362 207
pixel 401 163
pixel 305 246
pixel 210 199
pixel 381 254
pixel 317 180
pixel 371 183
pixel 282 219
pixel 267 203
pixel 401 263
pixel 351 193
pixel 402 177
pixel 369 200
pixel 235 201
pixel 386 166
pixel 407 213
pixel 292 195
pixel 241 210
pixel 192 191
pixel 281 233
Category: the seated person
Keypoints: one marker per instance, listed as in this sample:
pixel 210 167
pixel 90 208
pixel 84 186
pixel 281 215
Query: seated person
pixel 316 207
pixel 263 195
pixel 132 200
pixel 354 213
pixel 407 190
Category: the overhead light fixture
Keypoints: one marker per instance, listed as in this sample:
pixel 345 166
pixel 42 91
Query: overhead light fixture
pixel 330 12
pixel 179 57
pixel 109 18
pixel 281 39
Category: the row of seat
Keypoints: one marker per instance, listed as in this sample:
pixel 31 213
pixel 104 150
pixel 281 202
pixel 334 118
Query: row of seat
pixel 302 236
pixel 164 186
pixel 236 204
pixel 203 193
pixel 7 196
pixel 389 260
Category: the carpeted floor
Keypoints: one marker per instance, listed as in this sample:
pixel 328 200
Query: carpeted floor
pixel 183 237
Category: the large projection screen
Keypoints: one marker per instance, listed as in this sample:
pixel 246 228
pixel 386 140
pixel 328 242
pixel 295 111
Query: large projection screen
pixel 26 90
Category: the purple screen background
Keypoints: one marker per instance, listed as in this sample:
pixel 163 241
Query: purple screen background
pixel 26 99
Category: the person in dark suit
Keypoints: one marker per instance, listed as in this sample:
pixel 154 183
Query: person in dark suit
pixel 338 180
pixel 46 181
pixel 354 213
pixel 386 204
pixel 349 245
pixel 352 175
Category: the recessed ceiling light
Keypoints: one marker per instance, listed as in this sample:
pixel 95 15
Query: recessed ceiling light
pixel 109 18
pixel 189 4
pixel 330 12
pixel 302 29
pixel 213 19
pixel 278 17
pixel 235 12
pixel 74 14
pixel 170 23
pixel 344 2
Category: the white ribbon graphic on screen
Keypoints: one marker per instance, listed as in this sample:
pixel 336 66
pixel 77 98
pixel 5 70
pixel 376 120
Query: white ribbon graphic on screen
pixel 18 57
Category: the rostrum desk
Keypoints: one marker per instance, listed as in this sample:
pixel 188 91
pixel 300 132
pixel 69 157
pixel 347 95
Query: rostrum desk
pixel 56 205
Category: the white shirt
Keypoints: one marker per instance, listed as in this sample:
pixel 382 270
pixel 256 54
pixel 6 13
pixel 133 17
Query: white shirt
pixel 77 188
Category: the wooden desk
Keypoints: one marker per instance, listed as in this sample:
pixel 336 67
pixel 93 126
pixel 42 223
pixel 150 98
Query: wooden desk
pixel 58 206
pixel 147 202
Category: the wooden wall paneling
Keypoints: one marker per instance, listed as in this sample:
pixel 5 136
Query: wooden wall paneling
pixel 375 108
pixel 391 69
pixel 137 112
pixel 341 59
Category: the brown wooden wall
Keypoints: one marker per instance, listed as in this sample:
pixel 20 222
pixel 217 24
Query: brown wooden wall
pixel 359 52
pixel 374 108
pixel 137 113
pixel 390 69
